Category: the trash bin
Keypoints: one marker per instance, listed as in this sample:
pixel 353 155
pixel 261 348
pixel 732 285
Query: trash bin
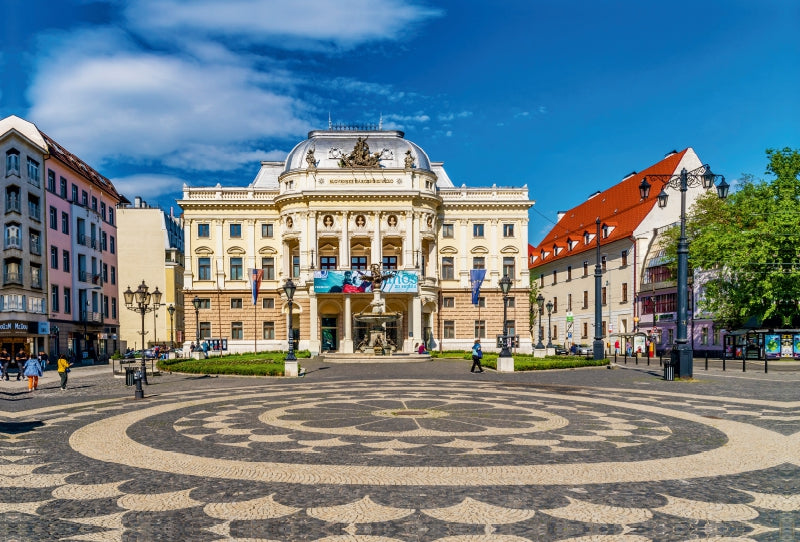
pixel 129 376
pixel 669 370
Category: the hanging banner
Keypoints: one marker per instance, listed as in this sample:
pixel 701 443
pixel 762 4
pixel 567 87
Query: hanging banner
pixel 360 282
pixel 476 277
pixel 402 282
pixel 256 275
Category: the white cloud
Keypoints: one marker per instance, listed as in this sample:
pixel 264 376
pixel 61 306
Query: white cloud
pixel 113 100
pixel 288 24
pixel 147 186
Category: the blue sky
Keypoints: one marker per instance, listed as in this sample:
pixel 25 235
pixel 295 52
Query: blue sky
pixel 567 97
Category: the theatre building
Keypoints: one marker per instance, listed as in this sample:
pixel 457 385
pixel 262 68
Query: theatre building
pixel 373 234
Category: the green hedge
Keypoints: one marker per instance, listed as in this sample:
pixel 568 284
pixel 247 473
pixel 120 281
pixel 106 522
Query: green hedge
pixel 249 364
pixel 526 362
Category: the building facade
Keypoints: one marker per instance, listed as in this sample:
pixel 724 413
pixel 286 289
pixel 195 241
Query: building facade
pixel 66 270
pixel 151 249
pixel 343 202
pixel 638 292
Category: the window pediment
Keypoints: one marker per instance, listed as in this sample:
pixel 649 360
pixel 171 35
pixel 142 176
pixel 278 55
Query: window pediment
pixel 203 250
pixel 448 250
pixel 238 251
pixel 267 250
pixel 509 249
pixel 479 250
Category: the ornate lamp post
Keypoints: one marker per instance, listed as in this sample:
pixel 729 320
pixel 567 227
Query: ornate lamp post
pixel 549 327
pixel 597 344
pixel 505 286
pixel 682 354
pixel 142 301
pixel 540 302
pixel 290 367
pixel 171 311
pixel 196 305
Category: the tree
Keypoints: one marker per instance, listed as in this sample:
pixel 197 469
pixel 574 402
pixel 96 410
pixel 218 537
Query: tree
pixel 752 243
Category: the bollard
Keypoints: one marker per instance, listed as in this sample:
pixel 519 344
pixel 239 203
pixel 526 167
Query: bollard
pixel 744 357
pixel 669 371
pixel 706 359
pixel 765 364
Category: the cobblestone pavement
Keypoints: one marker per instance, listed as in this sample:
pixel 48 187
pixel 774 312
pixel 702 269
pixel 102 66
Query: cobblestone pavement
pixel 397 452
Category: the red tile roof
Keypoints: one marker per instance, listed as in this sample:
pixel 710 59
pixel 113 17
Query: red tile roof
pixel 618 207
pixel 80 167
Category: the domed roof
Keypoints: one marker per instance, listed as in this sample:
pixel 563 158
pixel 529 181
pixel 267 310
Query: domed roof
pixel 335 149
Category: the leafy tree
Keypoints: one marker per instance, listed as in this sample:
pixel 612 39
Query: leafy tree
pixel 752 242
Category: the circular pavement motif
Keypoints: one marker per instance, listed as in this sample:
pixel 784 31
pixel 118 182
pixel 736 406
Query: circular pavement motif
pixel 523 417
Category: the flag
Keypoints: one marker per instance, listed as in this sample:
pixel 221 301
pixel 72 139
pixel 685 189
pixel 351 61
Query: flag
pixel 256 275
pixel 476 277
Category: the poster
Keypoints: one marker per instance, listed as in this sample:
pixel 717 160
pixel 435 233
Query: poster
pixel 772 346
pixel 796 348
pixel 337 282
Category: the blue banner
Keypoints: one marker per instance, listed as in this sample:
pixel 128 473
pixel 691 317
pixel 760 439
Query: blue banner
pixel 360 282
pixel 476 277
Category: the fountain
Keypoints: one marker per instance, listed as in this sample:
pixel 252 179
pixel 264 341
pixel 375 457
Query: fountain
pixel 375 315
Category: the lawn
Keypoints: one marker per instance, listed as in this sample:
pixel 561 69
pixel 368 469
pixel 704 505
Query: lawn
pixel 526 362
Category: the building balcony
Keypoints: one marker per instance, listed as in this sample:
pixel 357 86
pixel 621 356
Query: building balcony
pixel 83 276
pixel 12 278
pixel 82 239
pixel 36 248
pixel 13 242
pixel 12 206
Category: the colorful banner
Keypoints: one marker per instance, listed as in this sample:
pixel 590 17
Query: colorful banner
pixel 360 282
pixel 256 275
pixel 796 346
pixel 476 277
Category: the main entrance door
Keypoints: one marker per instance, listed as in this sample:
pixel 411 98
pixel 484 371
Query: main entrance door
pixel 329 334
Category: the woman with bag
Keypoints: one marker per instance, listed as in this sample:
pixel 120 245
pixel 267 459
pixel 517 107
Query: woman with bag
pixel 33 370
pixel 63 369
pixel 477 354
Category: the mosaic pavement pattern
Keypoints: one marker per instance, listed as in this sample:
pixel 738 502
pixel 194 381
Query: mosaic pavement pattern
pixel 404 460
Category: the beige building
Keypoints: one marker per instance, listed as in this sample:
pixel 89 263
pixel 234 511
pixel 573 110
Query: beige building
pixel 562 265
pixel 151 250
pixel 343 202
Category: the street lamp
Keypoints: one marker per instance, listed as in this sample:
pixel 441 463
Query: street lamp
pixel 597 345
pixel 505 286
pixel 549 327
pixel 171 311
pixel 682 354
pixel 142 301
pixel 196 304
pixel 289 287
pixel 540 302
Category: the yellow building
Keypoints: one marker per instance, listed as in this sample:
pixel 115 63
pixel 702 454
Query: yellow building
pixel 344 205
pixel 151 250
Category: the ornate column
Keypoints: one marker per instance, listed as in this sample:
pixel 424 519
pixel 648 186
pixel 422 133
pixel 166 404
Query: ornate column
pixel 347 341
pixel 410 239
pixel 314 342
pixel 344 242
pixel 415 322
pixel 377 242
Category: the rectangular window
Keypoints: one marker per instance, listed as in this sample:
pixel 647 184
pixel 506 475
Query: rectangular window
pixel 113 275
pixel 65 260
pixel 569 272
pixel 62 187
pixel 33 172
pixel 509 267
pixel 327 262
pixel 624 258
pixel 205 303
pixel 74 198
pixel 477 230
pixel 236 269
pixel 586 268
pixel 555 333
pixel 113 307
pixel 585 299
pixel 511 302
pixel 555 276
pixel 268 303
pixel 53 257
pixel 111 242
pixel 53 218
pixel 51 181
pixel 295 267
pixel 704 335
pixel 65 223
pixel 237 331
pixel 624 292
pixel 236 231
pixel 390 262
pixel 267 232
pixel 236 303
pixel 67 300
pixel 508 230
pixel 569 302
pixel 111 215
pixel 448 268
pixel 603 263
pixel 449 329
pixel 479 262
pixel 205 330
pixel 448 302
pixel 103 210
pixel 555 304
pixel 358 262
pixel 603 295
pixel 55 297
pixel 541 280
pixel 585 330
pixel 268 266
pixel 269 330
pixel 480 329
pixel 203 230
pixel 94 203
pixel 203 268
pixel 715 336
pixel 482 302
pixel 447 231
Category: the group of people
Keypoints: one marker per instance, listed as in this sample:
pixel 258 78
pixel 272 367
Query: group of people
pixel 32 367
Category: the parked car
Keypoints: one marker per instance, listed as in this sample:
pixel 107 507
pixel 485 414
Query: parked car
pixel 135 354
pixel 584 350
pixel 561 351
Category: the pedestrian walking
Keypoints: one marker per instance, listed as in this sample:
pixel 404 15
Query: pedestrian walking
pixel 43 359
pixel 477 354
pixel 21 359
pixel 63 371
pixel 5 361
pixel 33 370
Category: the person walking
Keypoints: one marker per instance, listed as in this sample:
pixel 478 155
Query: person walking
pixel 21 359
pixel 5 361
pixel 43 359
pixel 63 371
pixel 477 354
pixel 33 370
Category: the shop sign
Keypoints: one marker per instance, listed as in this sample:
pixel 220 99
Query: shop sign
pixel 15 327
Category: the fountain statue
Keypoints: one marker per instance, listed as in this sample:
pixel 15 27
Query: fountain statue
pixel 375 314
